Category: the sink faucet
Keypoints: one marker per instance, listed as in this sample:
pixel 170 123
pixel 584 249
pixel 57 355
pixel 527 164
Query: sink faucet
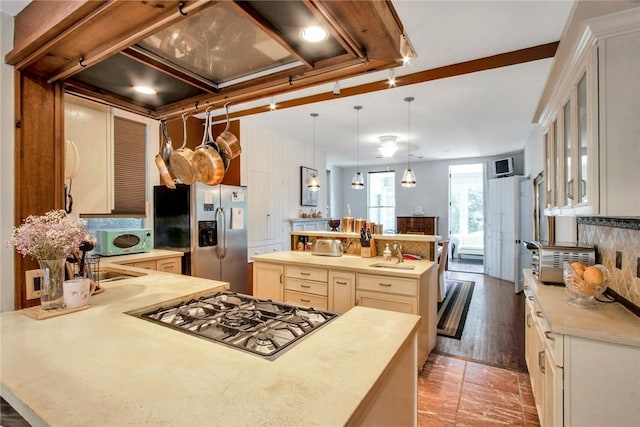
pixel 397 251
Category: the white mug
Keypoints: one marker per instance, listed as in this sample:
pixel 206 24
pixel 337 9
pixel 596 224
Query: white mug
pixel 77 292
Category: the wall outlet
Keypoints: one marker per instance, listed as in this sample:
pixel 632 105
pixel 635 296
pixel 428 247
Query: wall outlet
pixel 619 260
pixel 34 283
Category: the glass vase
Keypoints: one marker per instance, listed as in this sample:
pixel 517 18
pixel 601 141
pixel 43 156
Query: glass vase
pixel 51 296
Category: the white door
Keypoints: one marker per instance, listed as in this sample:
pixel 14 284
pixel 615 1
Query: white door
pixel 502 229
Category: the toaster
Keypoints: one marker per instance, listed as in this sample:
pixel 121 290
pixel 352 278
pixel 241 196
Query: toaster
pixel 547 259
pixel 326 247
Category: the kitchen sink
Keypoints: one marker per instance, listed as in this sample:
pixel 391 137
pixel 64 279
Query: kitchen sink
pixel 111 276
pixel 390 265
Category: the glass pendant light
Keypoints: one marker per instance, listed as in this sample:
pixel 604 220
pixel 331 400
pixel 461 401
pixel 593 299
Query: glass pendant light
pixel 409 178
pixel 358 180
pixel 314 182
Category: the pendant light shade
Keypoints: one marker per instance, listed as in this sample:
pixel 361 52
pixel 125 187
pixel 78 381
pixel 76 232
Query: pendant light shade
pixel 409 178
pixel 358 180
pixel 314 182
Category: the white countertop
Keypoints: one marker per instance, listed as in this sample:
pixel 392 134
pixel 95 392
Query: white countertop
pixel 339 234
pixel 101 366
pixel 142 256
pixel 348 262
pixel 610 322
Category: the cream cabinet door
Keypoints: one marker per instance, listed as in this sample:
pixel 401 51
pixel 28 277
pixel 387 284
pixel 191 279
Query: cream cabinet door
pixel 267 281
pixel 391 302
pixel 169 265
pixel 342 291
pixel 88 125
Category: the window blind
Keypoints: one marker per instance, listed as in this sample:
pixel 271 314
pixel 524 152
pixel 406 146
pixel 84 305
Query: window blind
pixel 129 166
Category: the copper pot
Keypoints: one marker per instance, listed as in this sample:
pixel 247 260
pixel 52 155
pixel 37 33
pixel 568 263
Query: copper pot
pixel 207 162
pixel 228 142
pixel 181 159
pixel 160 162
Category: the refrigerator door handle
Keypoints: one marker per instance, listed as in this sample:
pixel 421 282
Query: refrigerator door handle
pixel 221 219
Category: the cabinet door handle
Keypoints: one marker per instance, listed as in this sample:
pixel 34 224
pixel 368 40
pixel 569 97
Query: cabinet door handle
pixel 302 273
pixel 583 188
pixel 541 361
pixel 305 286
pixel 280 278
pixel 530 297
pixel 305 300
pixel 341 283
pixel 539 314
pixel 570 189
pixel 528 318
pixel 548 335
pixel 385 284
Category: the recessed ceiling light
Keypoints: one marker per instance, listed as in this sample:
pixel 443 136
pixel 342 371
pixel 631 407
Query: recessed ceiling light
pixel 144 89
pixel 313 34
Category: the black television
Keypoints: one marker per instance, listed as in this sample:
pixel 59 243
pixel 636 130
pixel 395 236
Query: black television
pixel 503 167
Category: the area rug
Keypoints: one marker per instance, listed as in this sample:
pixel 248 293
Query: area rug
pixel 452 312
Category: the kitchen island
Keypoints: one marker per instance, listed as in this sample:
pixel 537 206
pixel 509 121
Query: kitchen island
pixel 103 366
pixel 339 283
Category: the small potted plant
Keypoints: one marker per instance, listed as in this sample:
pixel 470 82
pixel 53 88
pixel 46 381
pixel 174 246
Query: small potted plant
pixel 49 239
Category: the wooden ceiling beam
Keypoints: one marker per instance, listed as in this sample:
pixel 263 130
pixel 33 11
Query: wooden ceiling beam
pixel 506 59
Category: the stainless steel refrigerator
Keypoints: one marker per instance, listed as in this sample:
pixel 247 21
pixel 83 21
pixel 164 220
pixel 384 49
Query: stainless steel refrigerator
pixel 219 234
pixel 208 224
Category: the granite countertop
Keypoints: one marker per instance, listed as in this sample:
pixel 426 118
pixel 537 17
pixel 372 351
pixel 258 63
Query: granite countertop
pixel 609 323
pixel 101 366
pixel 348 262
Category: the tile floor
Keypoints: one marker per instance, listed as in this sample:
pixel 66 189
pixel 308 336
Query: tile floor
pixel 456 392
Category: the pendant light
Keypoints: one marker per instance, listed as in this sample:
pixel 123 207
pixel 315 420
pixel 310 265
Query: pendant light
pixel 409 178
pixel 314 183
pixel 358 181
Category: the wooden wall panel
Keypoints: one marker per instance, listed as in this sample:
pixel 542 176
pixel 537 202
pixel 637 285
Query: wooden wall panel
pixel 39 161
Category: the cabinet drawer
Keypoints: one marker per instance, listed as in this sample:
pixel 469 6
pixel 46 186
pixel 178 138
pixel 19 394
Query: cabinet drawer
pixel 306 273
pixel 553 343
pixel 148 265
pixel 305 300
pixel 170 265
pixel 318 288
pixel 392 285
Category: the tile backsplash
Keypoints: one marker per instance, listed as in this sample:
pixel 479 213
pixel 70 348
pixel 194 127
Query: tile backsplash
pixel 616 237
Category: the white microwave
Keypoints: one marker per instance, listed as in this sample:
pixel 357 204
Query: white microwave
pixel 122 241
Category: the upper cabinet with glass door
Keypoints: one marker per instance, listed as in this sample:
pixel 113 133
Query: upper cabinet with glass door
pixel 570 156
pixel 589 109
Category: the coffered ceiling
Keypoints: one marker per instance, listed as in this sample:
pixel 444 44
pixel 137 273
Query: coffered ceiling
pixel 476 113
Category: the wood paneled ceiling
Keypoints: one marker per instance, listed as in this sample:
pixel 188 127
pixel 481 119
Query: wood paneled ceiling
pixel 199 53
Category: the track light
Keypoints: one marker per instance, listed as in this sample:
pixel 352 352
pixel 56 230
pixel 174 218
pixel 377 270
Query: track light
pixel 392 78
pixel 272 104
pixel 336 89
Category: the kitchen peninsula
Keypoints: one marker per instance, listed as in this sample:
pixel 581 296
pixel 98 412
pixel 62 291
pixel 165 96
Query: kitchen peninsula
pixel 340 283
pixel 103 366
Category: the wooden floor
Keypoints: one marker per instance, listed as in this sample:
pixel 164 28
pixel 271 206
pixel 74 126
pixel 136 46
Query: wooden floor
pixel 494 330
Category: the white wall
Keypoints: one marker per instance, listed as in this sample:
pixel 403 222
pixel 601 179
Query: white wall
pixel 533 153
pixel 6 165
pixel 431 191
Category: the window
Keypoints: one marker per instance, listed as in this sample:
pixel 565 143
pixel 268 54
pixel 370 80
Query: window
pixel 381 199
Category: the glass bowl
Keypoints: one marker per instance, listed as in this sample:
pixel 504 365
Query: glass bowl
pixel 582 293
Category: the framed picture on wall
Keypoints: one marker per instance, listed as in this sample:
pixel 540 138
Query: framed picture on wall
pixel 307 198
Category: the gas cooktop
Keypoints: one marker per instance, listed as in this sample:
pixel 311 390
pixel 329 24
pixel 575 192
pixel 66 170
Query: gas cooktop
pixel 262 327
